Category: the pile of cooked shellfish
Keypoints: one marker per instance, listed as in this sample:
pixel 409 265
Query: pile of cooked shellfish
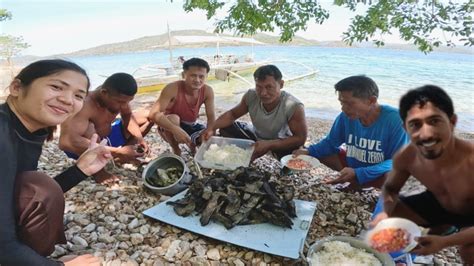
pixel 238 197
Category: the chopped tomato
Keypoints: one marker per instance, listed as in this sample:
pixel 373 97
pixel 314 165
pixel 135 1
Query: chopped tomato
pixel 390 240
pixel 299 164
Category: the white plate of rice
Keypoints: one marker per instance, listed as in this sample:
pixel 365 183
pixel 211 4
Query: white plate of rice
pixel 344 250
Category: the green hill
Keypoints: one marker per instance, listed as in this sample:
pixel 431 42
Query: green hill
pixel 157 42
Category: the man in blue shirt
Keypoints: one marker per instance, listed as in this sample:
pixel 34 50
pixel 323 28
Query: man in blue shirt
pixel 363 138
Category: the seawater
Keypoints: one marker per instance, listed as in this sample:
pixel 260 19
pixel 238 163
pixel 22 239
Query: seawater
pixel 394 71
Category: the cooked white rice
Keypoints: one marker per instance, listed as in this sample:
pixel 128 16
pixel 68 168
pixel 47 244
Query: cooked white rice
pixel 228 154
pixel 342 253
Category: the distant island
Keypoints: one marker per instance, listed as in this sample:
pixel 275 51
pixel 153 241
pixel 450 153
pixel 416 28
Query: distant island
pixel 160 42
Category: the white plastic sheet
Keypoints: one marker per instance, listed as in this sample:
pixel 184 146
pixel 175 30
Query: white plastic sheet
pixel 265 237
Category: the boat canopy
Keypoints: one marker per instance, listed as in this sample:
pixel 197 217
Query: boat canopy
pixel 196 39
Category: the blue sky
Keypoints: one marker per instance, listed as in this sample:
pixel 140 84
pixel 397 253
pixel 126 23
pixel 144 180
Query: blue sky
pixel 60 26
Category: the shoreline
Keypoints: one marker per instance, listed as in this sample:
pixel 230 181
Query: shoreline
pixel 313 115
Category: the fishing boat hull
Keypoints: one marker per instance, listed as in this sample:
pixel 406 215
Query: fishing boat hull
pixel 157 83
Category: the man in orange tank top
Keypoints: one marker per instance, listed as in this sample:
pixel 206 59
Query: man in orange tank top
pixel 177 109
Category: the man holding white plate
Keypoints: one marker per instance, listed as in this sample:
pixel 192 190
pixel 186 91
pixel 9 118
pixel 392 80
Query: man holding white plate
pixel 440 161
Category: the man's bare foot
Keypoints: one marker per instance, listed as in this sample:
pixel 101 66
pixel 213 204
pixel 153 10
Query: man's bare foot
pixel 104 177
pixel 82 260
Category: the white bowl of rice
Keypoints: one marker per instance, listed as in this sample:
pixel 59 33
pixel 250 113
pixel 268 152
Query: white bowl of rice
pixel 224 153
pixel 344 250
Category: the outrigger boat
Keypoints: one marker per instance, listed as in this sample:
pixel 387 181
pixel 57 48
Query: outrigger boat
pixel 152 78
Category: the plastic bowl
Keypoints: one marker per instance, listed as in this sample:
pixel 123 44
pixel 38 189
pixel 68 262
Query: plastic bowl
pixel 166 161
pixel 245 144
pixel 385 259
pixel 412 228
pixel 310 159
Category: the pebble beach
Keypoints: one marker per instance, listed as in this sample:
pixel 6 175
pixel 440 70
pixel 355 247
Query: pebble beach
pixel 107 220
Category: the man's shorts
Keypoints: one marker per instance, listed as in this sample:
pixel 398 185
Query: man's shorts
pixel 194 131
pixel 428 207
pixel 114 139
pixel 239 130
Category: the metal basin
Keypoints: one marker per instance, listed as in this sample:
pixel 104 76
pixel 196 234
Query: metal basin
pixel 385 259
pixel 166 161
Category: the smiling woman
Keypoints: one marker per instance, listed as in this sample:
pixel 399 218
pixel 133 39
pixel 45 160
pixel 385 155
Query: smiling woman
pixel 47 92
pixel 43 95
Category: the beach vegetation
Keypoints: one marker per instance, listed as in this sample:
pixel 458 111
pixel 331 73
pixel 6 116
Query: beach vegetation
pixel 418 22
pixel 10 46
pixel 5 14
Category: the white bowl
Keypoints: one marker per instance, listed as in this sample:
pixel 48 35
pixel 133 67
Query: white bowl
pixel 412 228
pixel 310 159
pixel 245 144
pixel 385 259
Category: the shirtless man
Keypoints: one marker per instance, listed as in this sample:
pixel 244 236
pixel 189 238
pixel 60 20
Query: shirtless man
pixel 440 161
pixel 177 109
pixel 101 108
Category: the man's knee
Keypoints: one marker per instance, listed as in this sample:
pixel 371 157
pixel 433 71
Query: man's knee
pixel 174 119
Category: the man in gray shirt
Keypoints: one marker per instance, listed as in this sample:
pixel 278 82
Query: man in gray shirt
pixel 278 118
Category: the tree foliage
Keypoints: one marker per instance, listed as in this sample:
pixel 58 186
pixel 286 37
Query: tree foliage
pixel 11 46
pixel 5 14
pixel 417 21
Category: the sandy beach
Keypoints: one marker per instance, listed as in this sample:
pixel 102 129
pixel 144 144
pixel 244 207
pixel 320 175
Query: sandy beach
pixel 107 220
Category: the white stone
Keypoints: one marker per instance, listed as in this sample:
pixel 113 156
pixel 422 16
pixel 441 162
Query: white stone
pixel 144 229
pixel 133 224
pixel 130 262
pixel 200 250
pixel 123 245
pixel 116 262
pixel 172 250
pixel 136 239
pixel 213 254
pixel 238 262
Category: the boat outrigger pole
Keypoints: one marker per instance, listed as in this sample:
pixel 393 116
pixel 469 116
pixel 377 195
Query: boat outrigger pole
pixel 169 43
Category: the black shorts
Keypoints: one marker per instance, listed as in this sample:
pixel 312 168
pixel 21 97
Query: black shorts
pixel 238 130
pixel 194 131
pixel 427 206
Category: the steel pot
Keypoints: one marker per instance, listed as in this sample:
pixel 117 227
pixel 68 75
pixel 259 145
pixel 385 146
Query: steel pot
pixel 164 162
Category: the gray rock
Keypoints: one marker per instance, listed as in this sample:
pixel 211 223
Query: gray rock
pixel 79 241
pixel 89 228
